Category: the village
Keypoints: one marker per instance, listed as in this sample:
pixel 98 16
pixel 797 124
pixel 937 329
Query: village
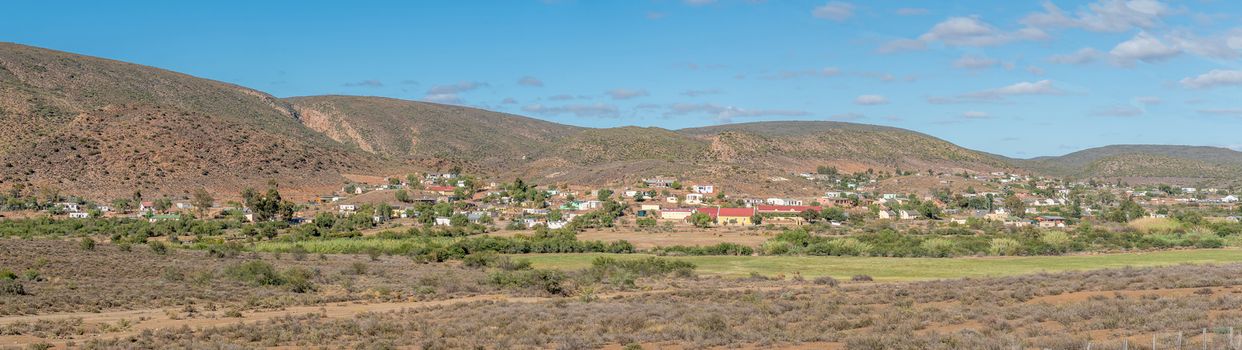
pixel 452 199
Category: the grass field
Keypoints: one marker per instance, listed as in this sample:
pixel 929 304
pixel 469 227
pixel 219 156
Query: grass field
pixel 907 269
pixel 350 245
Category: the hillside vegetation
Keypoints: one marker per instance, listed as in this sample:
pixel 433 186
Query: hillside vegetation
pixel 87 125
pixel 102 128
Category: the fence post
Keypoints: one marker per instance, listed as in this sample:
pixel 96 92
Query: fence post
pixel 1179 340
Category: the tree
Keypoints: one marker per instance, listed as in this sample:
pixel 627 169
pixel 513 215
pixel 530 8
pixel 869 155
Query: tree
pixel 701 220
pixel 163 204
pixel 459 220
pixel 604 194
pixel 268 206
pixel 1014 205
pixel 122 204
pixel 810 215
pixel 402 196
pixel 394 181
pixel 833 214
pixel 202 200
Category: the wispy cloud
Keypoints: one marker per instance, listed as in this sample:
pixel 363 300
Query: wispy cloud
pixel 870 100
pixel 727 114
pixel 703 92
pixel 530 81
pixel 1214 78
pixel 1042 87
pixel 976 115
pixel 971 31
pixel 597 110
pixel 1082 56
pixel 1143 47
pixel 1102 16
pixel 806 73
pixel 969 61
pixel 455 88
pixel 625 94
pixel 365 83
pixel 834 10
pixel 1228 112
pixel 1118 111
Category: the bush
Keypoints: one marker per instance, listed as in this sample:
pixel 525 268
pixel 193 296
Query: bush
pixel 1058 240
pixel 826 280
pixel 87 244
pixel 1005 246
pixel 548 281
pixel 939 247
pixel 256 272
pixel 11 287
pixel 158 247
pixel 861 278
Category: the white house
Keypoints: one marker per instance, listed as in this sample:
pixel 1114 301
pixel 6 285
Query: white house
pixel 79 215
pixel 443 221
pixel 70 207
pixel 347 208
pixel 704 189
pixel 694 198
pixel 783 201
pixel 1229 199
pixel 908 214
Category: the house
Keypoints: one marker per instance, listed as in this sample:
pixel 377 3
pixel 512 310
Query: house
pixel 729 216
pixel 660 183
pixel 750 202
pixel 70 207
pixel 694 198
pixel 704 189
pixel 183 205
pixel 79 215
pixel 676 213
pixel 649 207
pixel 1050 221
pixel 146 206
pixel 1229 199
pixel 887 215
pixel 784 209
pixel 671 199
pixel 163 217
pixel 347 208
pixel 329 199
pixel 908 215
pixel 443 221
pixel 630 193
pixel 443 190
pixel 834 194
pixel 783 201
pixel 836 202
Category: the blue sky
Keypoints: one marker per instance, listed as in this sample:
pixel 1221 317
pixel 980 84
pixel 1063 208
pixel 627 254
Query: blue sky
pixel 1019 78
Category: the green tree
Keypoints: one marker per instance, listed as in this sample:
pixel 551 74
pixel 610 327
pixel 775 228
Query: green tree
pixel 1014 205
pixel 402 196
pixel 701 220
pixel 202 201
pixel 604 194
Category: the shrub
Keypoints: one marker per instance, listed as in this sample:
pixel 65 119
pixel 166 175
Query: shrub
pixel 939 247
pixel 299 280
pixel 11 287
pixel 358 268
pixel 1004 246
pixel 87 244
pixel 548 281
pixel 826 280
pixel 861 278
pixel 1058 240
pixel 158 247
pixel 255 272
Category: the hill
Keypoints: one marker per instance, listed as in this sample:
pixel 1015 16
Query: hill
pixel 1184 163
pixel 103 128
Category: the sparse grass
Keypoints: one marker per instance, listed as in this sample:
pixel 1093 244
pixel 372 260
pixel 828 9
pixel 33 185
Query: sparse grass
pixel 907 269
pixel 351 245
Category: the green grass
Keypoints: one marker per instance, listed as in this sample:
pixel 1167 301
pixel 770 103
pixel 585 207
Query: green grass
pixel 351 245
pixel 907 269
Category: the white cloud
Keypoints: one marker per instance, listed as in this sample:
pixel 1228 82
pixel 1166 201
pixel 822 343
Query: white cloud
pixel 365 83
pixel 1118 111
pixel 1082 56
pixel 871 100
pixel 783 75
pixel 1148 100
pixel 1228 112
pixel 1214 78
pixel 598 110
pixel 1220 47
pixel 443 98
pixel 726 114
pixel 911 11
pixel 625 94
pixel 970 31
pixel 455 88
pixel 969 61
pixel 1143 47
pixel 976 115
pixel 697 93
pixel 530 81
pixel 902 45
pixel 1042 87
pixel 834 10
pixel 1103 16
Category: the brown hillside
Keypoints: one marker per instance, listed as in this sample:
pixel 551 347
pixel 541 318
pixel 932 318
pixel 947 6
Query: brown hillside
pixel 102 128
